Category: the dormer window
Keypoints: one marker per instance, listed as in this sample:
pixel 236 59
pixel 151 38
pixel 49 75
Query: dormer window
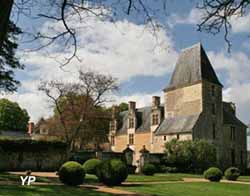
pixel 112 126
pixel 155 119
pixel 213 109
pixel 131 139
pixel 131 123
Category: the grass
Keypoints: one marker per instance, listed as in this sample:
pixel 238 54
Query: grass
pixel 191 189
pixel 244 179
pixel 141 178
pixel 155 178
pixel 13 190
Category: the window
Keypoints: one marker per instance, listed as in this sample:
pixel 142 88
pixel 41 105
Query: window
pixel 112 140
pixel 131 139
pixel 233 157
pixel 213 90
pixel 241 158
pixel 213 109
pixel 214 131
pixel 178 136
pixel 232 135
pixel 155 119
pixel 112 126
pixel 165 138
pixel 131 123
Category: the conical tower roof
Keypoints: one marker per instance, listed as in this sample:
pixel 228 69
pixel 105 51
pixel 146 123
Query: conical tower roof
pixel 192 66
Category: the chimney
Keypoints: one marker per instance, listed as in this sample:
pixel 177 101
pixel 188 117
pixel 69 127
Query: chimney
pixel 131 106
pixel 156 101
pixel 31 127
pixel 233 107
pixel 115 111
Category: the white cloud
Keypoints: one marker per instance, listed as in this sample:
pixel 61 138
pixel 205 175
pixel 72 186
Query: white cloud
pixel 193 17
pixel 235 65
pixel 240 94
pixel 236 68
pixel 141 99
pixel 122 49
pixel 240 24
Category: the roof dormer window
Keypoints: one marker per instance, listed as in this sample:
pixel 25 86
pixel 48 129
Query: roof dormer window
pixel 131 123
pixel 155 119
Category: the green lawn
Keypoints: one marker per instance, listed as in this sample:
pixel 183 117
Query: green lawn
pixel 13 190
pixel 191 189
pixel 141 178
pixel 244 178
pixel 155 178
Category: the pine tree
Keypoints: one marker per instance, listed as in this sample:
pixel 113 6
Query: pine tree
pixel 8 60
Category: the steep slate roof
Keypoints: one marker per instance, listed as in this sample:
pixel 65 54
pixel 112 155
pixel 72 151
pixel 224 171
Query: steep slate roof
pixel 229 117
pixel 143 116
pixel 192 66
pixel 180 124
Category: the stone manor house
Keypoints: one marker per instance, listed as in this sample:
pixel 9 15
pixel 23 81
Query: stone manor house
pixel 193 108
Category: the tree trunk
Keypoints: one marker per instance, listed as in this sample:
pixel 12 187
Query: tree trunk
pixel 5 10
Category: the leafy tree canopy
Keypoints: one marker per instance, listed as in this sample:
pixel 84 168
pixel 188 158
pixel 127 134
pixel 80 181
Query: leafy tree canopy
pixel 190 156
pixel 12 116
pixel 8 60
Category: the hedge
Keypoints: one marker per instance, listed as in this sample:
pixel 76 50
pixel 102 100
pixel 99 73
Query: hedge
pixel 28 145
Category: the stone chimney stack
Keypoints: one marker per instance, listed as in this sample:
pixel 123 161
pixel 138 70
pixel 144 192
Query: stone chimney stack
pixel 115 111
pixel 156 101
pixel 31 126
pixel 233 107
pixel 131 106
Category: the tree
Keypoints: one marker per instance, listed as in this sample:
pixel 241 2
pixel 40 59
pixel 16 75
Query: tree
pixel 217 15
pixel 78 104
pixel 190 156
pixel 8 60
pixel 123 107
pixel 5 11
pixel 12 116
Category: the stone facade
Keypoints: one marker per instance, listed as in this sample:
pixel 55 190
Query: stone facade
pixel 193 109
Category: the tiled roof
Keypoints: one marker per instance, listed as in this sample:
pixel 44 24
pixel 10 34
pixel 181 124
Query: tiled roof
pixel 192 66
pixel 180 124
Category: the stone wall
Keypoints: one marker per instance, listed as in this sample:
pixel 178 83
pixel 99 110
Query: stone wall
pixel 49 161
pixel 159 141
pixel 183 101
pixel 140 139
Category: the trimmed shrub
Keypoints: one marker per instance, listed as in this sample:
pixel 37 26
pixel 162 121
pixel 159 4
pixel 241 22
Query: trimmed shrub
pixel 213 174
pixel 71 173
pixel 232 173
pixel 148 169
pixel 91 165
pixel 112 172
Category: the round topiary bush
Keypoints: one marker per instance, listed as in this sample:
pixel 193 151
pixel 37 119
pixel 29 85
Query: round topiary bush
pixel 213 174
pixel 71 173
pixel 148 169
pixel 91 165
pixel 112 172
pixel 232 173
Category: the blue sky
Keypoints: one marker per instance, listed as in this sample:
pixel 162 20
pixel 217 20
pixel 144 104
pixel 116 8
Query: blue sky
pixel 129 51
